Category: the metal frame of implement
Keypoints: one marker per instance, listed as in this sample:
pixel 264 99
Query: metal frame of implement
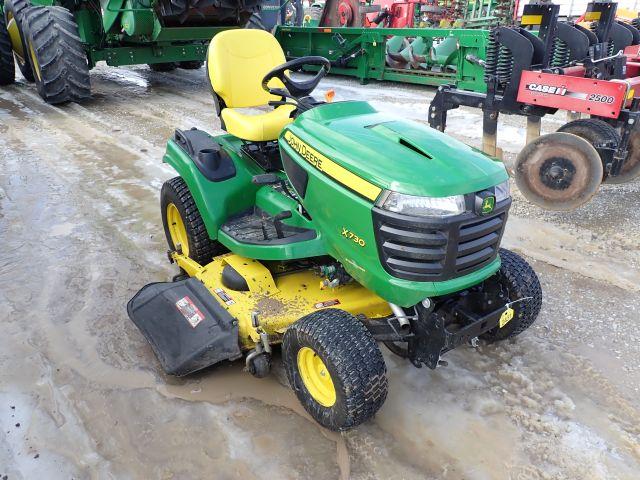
pixel 360 53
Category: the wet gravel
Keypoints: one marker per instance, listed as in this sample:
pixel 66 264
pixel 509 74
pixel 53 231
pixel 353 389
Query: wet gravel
pixel 82 396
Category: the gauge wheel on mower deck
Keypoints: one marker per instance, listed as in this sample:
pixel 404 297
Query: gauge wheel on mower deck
pixel 7 65
pixel 57 56
pixel 183 224
pixel 335 368
pixel 558 171
pixel 14 11
pixel 519 281
pixel 163 66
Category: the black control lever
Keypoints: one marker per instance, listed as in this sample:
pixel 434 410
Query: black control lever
pixel 277 222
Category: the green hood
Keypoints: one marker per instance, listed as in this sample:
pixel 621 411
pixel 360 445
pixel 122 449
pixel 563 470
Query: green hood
pixel 395 154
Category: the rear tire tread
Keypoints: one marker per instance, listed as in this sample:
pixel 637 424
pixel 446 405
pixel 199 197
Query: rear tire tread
pixel 7 64
pixel 201 248
pixel 20 8
pixel 593 130
pixel 64 72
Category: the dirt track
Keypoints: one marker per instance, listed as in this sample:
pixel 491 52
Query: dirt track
pixel 81 395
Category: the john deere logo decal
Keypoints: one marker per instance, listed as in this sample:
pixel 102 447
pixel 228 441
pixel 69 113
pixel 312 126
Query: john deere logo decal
pixel 488 204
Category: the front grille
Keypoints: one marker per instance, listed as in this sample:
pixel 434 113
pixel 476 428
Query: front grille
pixel 429 250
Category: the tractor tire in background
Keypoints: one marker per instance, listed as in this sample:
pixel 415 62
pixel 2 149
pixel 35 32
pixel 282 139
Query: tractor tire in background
pixel 335 368
pixel 7 65
pixel 14 11
pixel 520 282
pixel 594 131
pixel 190 65
pixel 57 56
pixel 313 12
pixel 163 66
pixel 255 22
pixel 558 171
pixel 631 168
pixel 183 223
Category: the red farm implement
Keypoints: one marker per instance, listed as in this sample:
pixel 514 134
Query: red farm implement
pixel 544 66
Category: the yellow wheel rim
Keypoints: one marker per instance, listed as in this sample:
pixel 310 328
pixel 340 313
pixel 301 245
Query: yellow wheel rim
pixel 34 60
pixel 177 230
pixel 14 35
pixel 316 377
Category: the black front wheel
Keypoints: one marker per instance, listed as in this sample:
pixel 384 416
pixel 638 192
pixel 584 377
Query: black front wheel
pixel 521 285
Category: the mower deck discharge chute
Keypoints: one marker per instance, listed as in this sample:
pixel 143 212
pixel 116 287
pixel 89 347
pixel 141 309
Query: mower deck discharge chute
pixel 565 66
pixel 327 228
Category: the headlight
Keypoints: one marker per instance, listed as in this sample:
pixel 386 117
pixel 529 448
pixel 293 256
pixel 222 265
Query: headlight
pixel 422 206
pixel 503 191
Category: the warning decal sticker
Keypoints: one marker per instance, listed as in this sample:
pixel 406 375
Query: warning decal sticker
pixel 224 296
pixel 189 311
pixel 327 303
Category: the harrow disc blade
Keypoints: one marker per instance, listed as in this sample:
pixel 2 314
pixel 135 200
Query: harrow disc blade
pixel 631 167
pixel 558 171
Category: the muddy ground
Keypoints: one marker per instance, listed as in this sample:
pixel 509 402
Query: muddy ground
pixel 82 396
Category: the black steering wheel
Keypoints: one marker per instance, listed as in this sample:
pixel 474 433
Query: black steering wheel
pixel 297 88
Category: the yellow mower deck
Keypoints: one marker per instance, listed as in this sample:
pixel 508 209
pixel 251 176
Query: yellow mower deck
pixel 279 300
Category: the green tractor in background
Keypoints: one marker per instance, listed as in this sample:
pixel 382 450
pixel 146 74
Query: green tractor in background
pixel 56 42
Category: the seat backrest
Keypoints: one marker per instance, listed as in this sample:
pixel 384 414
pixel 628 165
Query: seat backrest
pixel 237 61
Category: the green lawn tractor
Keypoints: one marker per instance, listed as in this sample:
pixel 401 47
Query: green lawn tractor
pixel 327 228
pixel 56 42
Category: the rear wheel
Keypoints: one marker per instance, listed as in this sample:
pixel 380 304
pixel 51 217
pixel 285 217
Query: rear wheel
pixel 14 11
pixel 183 224
pixel 335 368
pixel 7 65
pixel 518 281
pixel 163 66
pixel 57 56
pixel 558 171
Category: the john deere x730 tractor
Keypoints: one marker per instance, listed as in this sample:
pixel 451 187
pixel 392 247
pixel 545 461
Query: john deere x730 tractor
pixel 56 42
pixel 327 228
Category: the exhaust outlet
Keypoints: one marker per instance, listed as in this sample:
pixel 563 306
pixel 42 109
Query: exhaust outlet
pixel 400 314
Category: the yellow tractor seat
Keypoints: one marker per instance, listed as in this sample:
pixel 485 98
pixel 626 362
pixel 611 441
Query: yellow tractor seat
pixel 261 127
pixel 237 61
